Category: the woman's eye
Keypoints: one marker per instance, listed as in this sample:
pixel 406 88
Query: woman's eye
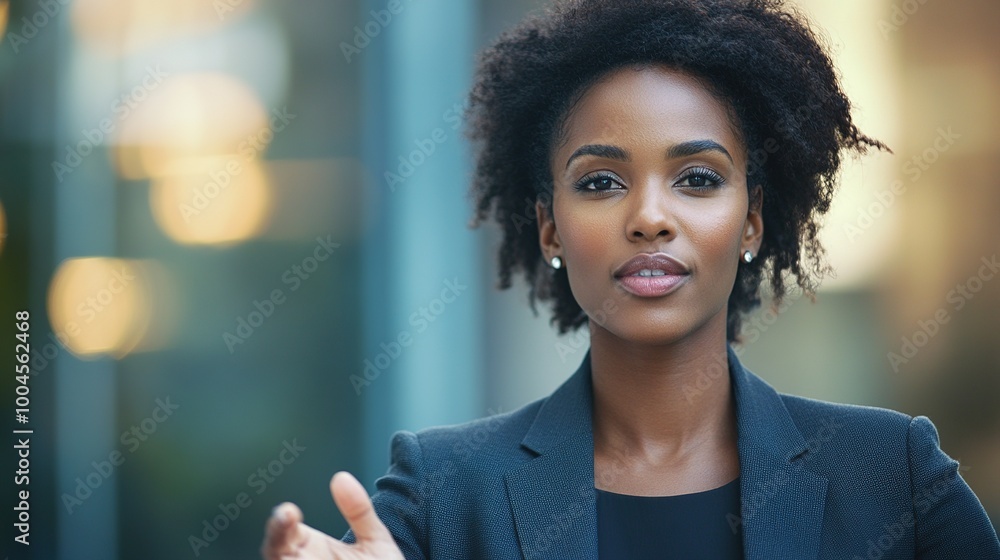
pixel 701 179
pixel 597 183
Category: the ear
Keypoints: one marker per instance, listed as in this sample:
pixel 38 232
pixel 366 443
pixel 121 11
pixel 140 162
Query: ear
pixel 753 231
pixel 548 237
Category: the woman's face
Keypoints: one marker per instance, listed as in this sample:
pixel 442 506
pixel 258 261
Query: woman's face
pixel 651 163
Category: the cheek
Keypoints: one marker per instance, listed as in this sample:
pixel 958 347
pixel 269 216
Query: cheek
pixel 588 238
pixel 715 237
pixel 715 230
pixel 587 234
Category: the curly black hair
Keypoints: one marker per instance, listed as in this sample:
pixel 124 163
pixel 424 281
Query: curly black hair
pixel 758 56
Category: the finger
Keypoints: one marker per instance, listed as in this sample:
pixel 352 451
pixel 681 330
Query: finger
pixel 316 544
pixel 283 534
pixel 356 507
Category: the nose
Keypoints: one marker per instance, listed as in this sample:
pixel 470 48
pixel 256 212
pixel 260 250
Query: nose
pixel 650 216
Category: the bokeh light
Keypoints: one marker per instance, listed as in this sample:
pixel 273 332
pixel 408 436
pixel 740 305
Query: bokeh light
pixel 217 200
pixel 4 16
pixel 858 245
pixel 189 116
pixel 122 26
pixel 100 306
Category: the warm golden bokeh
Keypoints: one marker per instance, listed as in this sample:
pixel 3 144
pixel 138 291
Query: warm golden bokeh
pixel 123 26
pixel 240 207
pixel 857 247
pixel 4 16
pixel 189 116
pixel 100 305
pixel 210 201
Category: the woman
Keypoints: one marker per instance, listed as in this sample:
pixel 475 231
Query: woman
pixel 673 150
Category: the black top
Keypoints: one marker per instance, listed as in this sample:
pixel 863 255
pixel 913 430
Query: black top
pixel 703 525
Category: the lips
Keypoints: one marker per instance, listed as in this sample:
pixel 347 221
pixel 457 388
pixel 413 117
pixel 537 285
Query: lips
pixel 654 264
pixel 652 275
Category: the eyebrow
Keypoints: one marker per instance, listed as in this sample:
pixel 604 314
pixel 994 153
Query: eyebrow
pixel 696 147
pixel 683 149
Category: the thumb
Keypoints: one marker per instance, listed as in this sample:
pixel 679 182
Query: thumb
pixel 354 504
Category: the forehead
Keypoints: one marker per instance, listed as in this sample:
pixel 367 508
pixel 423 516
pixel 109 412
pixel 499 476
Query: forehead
pixel 649 105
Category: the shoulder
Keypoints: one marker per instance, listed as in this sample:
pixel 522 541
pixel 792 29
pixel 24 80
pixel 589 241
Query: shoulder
pixel 454 456
pixel 491 439
pixel 439 470
pixel 867 443
pixel 859 422
pixel 856 431
pixel 863 425
pixel 873 455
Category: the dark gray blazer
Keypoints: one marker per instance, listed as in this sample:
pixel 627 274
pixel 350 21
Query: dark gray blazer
pixel 818 481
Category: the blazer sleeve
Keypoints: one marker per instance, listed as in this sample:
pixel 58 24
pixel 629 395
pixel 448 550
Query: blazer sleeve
pixel 950 522
pixel 398 498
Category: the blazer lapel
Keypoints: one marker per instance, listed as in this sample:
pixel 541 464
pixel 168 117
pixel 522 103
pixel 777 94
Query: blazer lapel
pixel 554 503
pixel 552 496
pixel 782 501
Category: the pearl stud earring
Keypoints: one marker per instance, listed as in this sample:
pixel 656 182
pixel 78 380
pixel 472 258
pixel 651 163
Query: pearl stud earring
pixel 556 263
pixel 747 257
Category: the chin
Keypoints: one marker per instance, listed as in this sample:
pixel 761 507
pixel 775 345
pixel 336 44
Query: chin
pixel 658 333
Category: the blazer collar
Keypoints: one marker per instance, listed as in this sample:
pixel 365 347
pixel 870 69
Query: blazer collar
pixel 553 497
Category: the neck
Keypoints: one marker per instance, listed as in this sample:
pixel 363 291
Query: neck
pixel 662 401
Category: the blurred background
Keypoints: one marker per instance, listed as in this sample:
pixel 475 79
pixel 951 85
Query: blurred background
pixel 240 230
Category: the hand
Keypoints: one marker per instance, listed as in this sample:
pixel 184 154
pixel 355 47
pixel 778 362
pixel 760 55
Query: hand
pixel 287 537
